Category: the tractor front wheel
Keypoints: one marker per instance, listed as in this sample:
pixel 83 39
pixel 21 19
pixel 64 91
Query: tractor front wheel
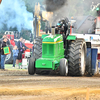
pixel 31 66
pixel 63 68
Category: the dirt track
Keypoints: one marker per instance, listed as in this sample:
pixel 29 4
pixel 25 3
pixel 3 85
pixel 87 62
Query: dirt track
pixel 18 85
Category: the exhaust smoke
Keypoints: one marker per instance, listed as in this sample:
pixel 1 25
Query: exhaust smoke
pixel 53 5
pixel 13 13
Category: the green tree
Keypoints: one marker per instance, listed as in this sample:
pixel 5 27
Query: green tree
pixel 30 4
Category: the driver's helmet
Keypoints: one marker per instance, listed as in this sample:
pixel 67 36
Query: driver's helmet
pixel 63 19
pixel 58 24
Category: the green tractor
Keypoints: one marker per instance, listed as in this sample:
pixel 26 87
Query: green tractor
pixel 70 54
pixel 70 60
pixel 52 53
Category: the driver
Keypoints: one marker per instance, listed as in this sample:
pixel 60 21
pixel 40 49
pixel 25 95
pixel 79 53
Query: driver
pixel 61 28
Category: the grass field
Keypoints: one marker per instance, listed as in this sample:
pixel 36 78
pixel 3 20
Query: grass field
pixel 10 67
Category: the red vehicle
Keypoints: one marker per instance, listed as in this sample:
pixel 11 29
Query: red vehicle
pixel 14 38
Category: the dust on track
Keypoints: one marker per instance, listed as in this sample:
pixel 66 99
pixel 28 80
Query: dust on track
pixel 18 85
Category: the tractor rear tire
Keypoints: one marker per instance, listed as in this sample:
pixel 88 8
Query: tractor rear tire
pixel 9 57
pixel 31 66
pixel 38 48
pixel 63 68
pixel 77 57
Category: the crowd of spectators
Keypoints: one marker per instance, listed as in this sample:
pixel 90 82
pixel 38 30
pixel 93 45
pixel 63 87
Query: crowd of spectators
pixel 17 51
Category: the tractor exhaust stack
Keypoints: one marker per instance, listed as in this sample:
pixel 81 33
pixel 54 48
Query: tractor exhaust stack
pixel 53 30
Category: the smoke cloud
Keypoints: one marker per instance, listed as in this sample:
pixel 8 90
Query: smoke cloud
pixel 13 13
pixel 52 5
pixel 55 6
pixel 68 8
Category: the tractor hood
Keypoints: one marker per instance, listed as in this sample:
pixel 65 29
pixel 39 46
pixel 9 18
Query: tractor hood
pixel 53 38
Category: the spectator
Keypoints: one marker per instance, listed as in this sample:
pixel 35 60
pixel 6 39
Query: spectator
pixel 5 36
pixel 23 42
pixel 1 40
pixel 20 48
pixel 15 55
pixel 3 56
